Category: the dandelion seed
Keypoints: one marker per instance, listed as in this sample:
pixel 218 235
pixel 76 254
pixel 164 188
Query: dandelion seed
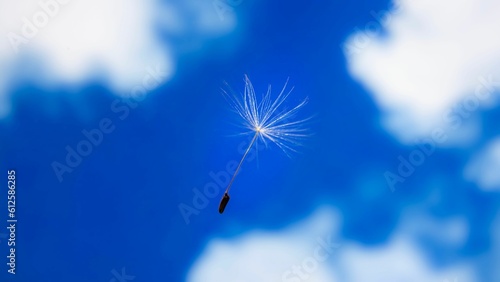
pixel 268 121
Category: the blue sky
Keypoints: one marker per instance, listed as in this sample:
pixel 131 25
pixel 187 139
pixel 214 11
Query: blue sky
pixel 113 125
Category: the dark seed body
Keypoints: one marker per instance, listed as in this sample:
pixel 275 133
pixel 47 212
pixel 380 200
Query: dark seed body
pixel 223 203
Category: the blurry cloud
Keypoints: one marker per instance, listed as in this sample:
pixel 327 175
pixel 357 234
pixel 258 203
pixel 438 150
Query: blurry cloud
pixel 273 256
pixel 404 257
pixel 491 259
pixel 70 41
pixel 488 260
pixel 400 260
pixel 428 63
pixel 450 232
pixel 279 256
pixel 484 168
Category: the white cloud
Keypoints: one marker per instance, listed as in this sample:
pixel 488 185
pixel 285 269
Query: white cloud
pixel 489 258
pixel 400 260
pixel 267 256
pixel 271 256
pixel 73 40
pixel 484 168
pixel 428 62
pixel 494 256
